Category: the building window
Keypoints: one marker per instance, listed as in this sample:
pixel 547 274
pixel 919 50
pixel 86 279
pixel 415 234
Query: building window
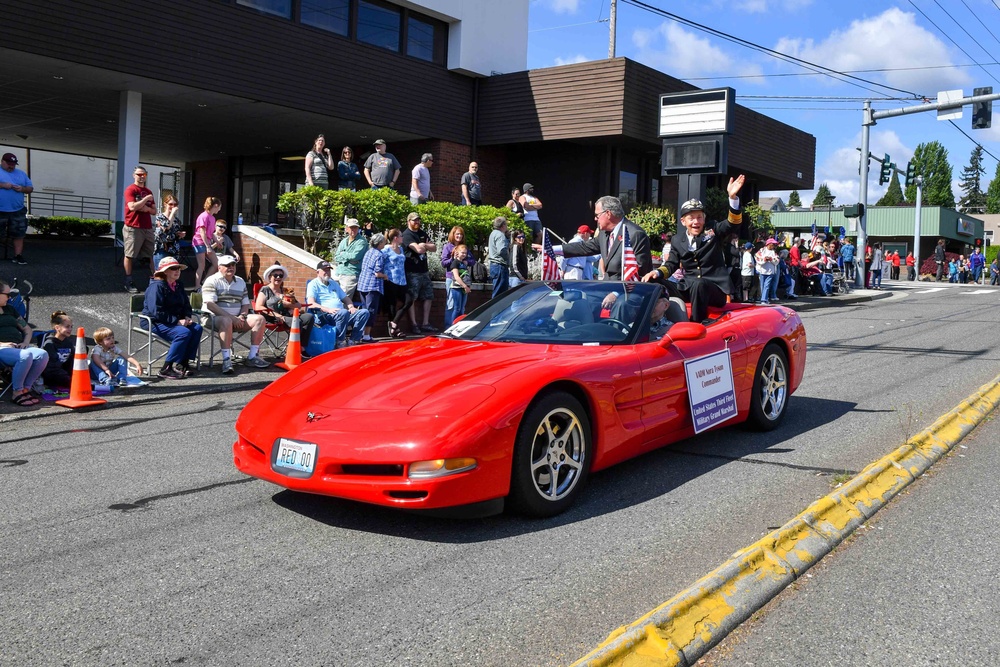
pixel 332 15
pixel 627 184
pixel 378 25
pixel 420 39
pixel 282 8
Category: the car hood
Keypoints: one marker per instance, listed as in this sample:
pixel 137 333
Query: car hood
pixel 398 376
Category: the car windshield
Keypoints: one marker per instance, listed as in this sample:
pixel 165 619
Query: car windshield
pixel 566 313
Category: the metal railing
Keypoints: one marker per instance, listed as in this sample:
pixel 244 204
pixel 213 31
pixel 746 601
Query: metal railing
pixel 54 203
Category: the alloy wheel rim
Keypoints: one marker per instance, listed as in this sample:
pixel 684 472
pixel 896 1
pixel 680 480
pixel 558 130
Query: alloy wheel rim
pixel 557 454
pixel 773 387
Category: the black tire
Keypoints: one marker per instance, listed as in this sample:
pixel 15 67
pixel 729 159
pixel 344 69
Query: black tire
pixel 554 436
pixel 769 400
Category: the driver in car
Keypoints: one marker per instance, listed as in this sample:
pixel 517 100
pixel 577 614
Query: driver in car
pixel 658 321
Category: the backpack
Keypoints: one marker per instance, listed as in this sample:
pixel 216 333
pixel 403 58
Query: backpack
pixel 479 273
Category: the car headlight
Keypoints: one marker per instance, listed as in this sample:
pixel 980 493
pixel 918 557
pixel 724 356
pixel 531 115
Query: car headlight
pixel 440 468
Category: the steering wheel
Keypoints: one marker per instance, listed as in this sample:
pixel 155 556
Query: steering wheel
pixel 621 325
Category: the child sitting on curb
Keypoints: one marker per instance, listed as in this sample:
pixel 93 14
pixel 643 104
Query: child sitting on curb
pixel 108 366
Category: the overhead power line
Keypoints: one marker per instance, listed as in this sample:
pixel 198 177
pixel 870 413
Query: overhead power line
pixel 957 45
pixel 847 71
pixel 840 76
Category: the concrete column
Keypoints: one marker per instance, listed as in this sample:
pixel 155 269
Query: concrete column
pixel 129 122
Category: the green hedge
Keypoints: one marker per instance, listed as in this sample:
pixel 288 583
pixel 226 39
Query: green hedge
pixel 317 211
pixel 65 225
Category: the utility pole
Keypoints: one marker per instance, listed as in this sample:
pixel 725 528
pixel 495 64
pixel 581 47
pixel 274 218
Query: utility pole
pixel 614 21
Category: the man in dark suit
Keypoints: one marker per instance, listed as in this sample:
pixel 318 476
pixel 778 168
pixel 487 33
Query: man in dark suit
pixel 610 239
pixel 700 252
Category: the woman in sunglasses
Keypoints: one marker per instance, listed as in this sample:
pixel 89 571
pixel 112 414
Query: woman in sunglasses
pixel 274 303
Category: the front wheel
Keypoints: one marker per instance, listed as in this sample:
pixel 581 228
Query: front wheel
pixel 551 456
pixel 770 389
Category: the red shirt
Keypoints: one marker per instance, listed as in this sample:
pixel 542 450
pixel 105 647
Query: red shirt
pixel 134 193
pixel 909 260
pixel 895 259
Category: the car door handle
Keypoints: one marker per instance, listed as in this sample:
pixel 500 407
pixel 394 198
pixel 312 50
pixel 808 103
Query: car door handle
pixel 729 337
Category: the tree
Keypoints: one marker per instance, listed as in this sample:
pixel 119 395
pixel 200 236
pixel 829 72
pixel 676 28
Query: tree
pixel 823 196
pixel 794 199
pixel 974 201
pixel 716 204
pixel 993 193
pixel 931 162
pixel 759 219
pixel 894 195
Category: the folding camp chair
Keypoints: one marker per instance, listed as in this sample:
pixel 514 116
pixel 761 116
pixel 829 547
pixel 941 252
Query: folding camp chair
pixel 146 336
pixel 273 330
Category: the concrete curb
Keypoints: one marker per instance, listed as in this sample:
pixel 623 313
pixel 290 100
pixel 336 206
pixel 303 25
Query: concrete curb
pixel 684 628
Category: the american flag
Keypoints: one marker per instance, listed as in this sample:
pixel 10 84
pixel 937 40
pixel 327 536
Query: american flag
pixel 630 267
pixel 550 268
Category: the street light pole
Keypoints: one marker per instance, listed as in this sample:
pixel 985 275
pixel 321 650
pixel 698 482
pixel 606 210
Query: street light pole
pixel 919 180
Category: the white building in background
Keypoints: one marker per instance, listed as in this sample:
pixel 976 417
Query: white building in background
pixel 77 185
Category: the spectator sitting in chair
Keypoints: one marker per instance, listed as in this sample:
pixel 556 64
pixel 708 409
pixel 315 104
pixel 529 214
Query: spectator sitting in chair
pixel 275 303
pixel 330 305
pixel 224 294
pixel 166 305
pixel 15 351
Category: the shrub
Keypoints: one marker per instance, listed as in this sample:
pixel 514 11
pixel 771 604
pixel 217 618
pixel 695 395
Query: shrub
pixel 319 212
pixel 656 222
pixel 65 225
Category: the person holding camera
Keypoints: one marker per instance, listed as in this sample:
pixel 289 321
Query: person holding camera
pixel 319 164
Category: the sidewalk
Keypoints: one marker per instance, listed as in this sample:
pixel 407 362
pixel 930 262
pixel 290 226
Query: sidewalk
pixel 916 586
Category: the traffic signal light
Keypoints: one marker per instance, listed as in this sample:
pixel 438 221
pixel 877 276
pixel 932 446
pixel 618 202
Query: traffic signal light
pixel 979 243
pixel 886 173
pixel 982 112
pixel 911 173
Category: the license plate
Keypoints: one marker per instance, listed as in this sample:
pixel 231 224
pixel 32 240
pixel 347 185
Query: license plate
pixel 295 456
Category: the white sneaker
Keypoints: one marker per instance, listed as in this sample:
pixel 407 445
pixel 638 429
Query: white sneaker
pixel 257 362
pixel 227 366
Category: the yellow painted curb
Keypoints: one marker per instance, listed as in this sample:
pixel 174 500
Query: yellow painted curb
pixel 681 630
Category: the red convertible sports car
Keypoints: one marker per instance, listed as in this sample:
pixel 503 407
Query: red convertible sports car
pixel 521 400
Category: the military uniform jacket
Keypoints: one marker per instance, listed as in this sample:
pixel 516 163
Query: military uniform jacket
pixel 613 256
pixel 708 260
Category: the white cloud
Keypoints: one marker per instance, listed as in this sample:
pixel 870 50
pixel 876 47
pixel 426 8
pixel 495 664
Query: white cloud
pixel 563 6
pixel 572 60
pixel 683 54
pixel 840 169
pixel 890 40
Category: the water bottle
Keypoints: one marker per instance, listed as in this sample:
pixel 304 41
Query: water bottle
pixel 239 219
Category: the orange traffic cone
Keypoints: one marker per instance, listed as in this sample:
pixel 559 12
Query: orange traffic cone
pixel 80 395
pixel 293 353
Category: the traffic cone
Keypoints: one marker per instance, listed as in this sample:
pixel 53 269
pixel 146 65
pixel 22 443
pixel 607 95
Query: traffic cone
pixel 80 395
pixel 293 353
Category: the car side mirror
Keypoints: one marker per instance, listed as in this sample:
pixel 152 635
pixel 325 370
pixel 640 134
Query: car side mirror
pixel 683 331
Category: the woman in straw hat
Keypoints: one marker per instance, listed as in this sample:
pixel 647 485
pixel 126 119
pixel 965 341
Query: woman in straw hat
pixel 167 305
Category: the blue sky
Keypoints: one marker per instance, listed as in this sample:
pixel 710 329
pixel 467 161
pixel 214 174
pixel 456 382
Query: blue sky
pixel 909 41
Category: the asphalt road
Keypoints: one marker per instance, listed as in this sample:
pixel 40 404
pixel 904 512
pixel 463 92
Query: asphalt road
pixel 129 538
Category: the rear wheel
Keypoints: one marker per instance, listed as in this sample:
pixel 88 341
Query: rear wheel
pixel 770 389
pixel 551 457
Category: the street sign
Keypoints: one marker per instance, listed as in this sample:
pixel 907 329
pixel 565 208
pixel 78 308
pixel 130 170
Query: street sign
pixel 949 113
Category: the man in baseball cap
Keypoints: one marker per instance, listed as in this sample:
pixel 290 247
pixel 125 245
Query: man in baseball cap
pixel 381 168
pixel 700 251
pixel 14 184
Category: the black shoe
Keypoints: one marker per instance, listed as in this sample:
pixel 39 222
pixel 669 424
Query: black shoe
pixel 18 259
pixel 186 370
pixel 168 372
pixel 130 287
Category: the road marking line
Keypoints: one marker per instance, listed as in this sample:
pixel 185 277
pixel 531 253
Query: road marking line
pixel 933 289
pixel 683 629
pixel 978 291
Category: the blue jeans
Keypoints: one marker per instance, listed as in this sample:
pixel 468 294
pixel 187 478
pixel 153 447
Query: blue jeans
pixel 341 320
pixel 118 368
pixel 766 283
pixel 28 364
pixel 500 275
pixel 826 282
pixel 876 277
pixel 184 341
pixel 455 305
pixel 977 273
